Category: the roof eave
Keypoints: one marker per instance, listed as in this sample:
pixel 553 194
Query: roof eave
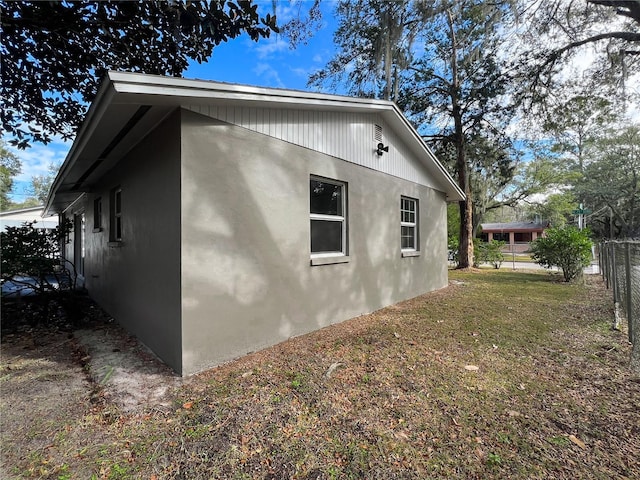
pixel 453 192
pixel 96 110
pixel 134 88
pixel 126 84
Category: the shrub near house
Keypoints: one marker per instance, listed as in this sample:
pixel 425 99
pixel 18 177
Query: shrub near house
pixel 32 265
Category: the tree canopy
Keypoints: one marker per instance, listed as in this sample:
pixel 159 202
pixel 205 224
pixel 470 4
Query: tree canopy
pixel 441 63
pixel 555 33
pixel 9 167
pixel 610 184
pixel 54 54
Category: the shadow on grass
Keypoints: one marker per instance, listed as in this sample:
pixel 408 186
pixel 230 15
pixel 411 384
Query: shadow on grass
pixel 508 277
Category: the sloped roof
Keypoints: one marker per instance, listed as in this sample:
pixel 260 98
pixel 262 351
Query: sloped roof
pixel 514 227
pixel 17 217
pixel 129 105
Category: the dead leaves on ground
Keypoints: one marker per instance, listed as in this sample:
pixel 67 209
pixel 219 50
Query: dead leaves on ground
pixel 441 386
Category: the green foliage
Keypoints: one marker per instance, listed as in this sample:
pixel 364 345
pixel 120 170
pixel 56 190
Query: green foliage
pixel 566 248
pixel 558 32
pixel 9 168
pixel 576 123
pixel 453 246
pixel 490 252
pixel 453 225
pixel 36 254
pixel 555 208
pixel 610 186
pixel 55 53
pixel 494 459
pixel 41 184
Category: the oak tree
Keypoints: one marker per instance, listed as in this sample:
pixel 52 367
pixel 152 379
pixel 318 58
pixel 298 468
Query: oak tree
pixel 54 54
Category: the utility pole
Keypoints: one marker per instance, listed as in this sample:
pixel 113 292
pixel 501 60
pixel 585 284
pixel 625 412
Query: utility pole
pixel 581 212
pixel 581 218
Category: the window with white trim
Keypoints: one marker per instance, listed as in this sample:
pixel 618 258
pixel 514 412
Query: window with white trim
pixel 97 214
pixel 115 227
pixel 327 202
pixel 408 224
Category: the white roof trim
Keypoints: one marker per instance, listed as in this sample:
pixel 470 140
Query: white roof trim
pixel 123 88
pixel 136 83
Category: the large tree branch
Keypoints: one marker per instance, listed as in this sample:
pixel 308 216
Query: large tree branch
pixel 626 8
pixel 627 36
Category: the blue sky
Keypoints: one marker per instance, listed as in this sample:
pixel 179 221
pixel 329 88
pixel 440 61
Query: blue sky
pixel 267 63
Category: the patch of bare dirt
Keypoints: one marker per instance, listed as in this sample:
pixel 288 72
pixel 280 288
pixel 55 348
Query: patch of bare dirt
pixel 126 372
pixel 51 377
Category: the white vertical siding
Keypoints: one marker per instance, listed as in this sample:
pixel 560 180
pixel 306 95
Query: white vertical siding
pixel 345 135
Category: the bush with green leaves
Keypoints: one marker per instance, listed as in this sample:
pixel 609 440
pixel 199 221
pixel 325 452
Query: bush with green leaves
pixel 453 244
pixel 28 251
pixel 490 252
pixel 567 248
pixel 32 262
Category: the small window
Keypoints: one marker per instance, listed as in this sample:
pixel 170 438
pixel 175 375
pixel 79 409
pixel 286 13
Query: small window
pixel 328 217
pixel 115 228
pixel 408 224
pixel 97 214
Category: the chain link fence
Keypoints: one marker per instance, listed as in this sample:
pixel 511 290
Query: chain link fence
pixel 620 267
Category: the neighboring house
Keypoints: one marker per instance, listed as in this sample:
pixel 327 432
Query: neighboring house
pixel 516 235
pixel 221 219
pixel 17 218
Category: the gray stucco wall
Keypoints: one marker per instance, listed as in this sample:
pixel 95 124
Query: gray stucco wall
pixel 247 281
pixel 138 282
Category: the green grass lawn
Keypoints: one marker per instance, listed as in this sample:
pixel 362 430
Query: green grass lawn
pixel 519 257
pixel 502 375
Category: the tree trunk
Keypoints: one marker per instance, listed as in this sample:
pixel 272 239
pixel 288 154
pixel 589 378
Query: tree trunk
pixel 465 249
pixel 387 53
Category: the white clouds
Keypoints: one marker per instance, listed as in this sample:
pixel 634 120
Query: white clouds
pixel 36 159
pixel 268 47
pixel 269 75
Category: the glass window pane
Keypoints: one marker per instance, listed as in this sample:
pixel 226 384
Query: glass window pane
pixel 407 239
pixel 326 236
pixel 409 217
pixel 325 198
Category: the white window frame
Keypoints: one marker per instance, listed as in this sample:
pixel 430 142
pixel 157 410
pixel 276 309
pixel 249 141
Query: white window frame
pixel 331 218
pixel 115 227
pixel 97 214
pixel 415 225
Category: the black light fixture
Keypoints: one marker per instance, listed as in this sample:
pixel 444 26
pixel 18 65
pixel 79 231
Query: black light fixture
pixel 382 148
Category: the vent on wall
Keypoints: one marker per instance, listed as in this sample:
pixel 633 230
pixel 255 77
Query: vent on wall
pixel 377 133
